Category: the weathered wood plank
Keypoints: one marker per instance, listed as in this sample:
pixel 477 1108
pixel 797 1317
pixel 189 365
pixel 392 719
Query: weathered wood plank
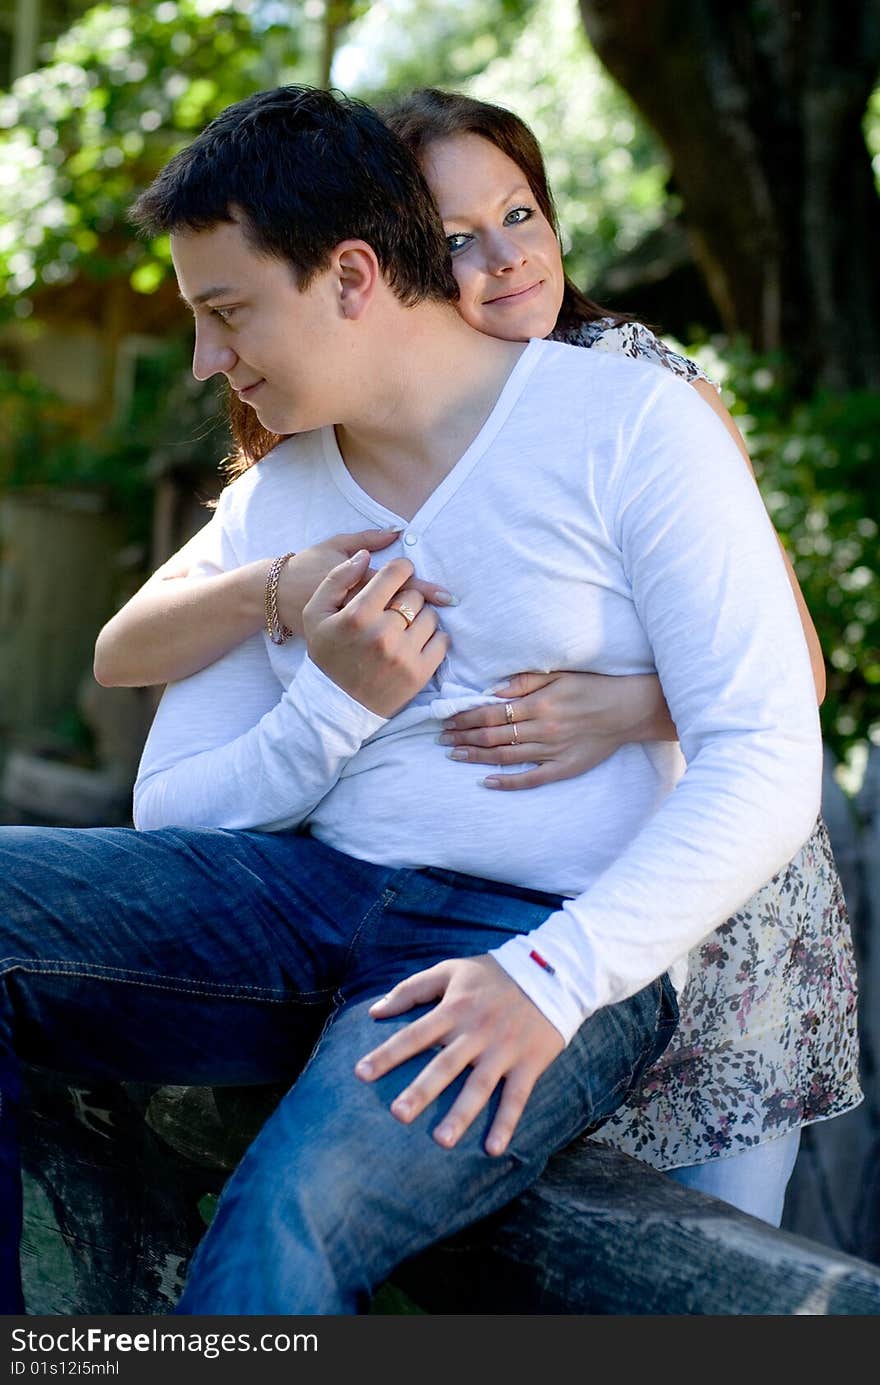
pixel 601 1233
pixel 113 1213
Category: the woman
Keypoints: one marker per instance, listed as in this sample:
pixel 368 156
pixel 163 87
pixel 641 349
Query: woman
pixel 767 1038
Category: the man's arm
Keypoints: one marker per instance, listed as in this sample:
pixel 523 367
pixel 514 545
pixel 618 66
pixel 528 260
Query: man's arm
pixel 713 595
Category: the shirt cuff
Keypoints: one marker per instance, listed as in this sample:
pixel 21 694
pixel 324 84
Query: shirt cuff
pixel 311 688
pixel 534 973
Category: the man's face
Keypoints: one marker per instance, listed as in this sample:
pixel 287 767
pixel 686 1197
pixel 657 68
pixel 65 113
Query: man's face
pixel 277 346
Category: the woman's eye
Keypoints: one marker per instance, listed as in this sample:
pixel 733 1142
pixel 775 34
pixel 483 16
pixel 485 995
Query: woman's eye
pixel 518 215
pixel 456 242
pixel 224 314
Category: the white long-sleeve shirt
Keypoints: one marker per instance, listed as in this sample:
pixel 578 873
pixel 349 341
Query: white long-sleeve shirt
pixel 602 520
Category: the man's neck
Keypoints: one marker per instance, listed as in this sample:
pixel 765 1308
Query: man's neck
pixel 437 384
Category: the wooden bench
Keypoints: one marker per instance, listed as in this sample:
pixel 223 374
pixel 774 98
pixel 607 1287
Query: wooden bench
pixel 120 1183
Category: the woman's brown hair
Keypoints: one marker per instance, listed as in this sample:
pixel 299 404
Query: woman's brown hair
pixel 419 119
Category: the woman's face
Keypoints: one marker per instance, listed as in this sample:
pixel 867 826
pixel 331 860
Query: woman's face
pixel 505 254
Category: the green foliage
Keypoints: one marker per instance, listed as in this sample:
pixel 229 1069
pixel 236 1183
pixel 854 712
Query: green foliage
pixel 207 1206
pixel 818 466
pixel 43 441
pixel 125 87
pixel 607 170
pixel 393 1302
pixel 872 133
pixel 130 83
pixel 400 44
pixel 29 415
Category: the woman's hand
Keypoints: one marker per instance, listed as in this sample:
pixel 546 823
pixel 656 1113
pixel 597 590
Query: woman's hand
pixel 177 624
pixel 566 723
pixel 304 573
pixel 354 633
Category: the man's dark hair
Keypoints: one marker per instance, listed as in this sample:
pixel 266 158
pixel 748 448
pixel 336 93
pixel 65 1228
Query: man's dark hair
pixel 304 169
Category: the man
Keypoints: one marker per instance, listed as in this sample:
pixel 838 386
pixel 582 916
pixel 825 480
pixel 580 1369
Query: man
pixel 313 881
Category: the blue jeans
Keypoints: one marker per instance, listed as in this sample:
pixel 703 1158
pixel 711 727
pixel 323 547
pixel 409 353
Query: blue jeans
pixel 754 1180
pixel 213 957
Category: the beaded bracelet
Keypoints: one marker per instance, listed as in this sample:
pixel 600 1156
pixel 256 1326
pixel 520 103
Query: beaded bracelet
pixel 278 632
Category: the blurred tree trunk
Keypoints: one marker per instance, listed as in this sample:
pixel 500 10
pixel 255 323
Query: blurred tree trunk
pixel 338 14
pixel 760 104
pixel 25 37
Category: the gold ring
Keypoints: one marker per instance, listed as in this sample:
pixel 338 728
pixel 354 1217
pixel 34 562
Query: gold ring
pixel 515 740
pixel 508 712
pixel 407 612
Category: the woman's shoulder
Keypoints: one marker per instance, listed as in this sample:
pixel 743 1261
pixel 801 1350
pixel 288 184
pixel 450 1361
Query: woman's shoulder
pixel 632 339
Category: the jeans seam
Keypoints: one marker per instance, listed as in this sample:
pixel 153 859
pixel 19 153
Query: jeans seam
pixel 661 1021
pixel 628 1083
pixel 151 981
pixel 337 1007
pixel 388 896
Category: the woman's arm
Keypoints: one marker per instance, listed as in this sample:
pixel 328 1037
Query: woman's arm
pixel 566 724
pixel 708 392
pixel 233 747
pixel 177 624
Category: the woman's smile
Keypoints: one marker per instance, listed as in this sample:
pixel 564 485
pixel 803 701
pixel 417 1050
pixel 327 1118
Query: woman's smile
pixel 515 296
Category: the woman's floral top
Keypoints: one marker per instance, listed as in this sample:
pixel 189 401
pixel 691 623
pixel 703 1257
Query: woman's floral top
pixel 767 1039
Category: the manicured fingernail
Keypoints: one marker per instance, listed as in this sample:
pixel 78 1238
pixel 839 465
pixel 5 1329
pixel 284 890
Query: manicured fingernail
pixel 495 1145
pixel 446 739
pixel 392 529
pixel 498 691
pixel 383 1000
pixel 456 754
pixel 364 1068
pixel 401 1107
pixel 444 1134
pixel 443 598
pixel 359 556
pixel 492 782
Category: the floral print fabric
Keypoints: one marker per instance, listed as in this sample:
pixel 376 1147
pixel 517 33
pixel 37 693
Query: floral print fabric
pixel 767 1039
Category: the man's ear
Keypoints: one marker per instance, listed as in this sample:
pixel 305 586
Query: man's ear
pixel 358 276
